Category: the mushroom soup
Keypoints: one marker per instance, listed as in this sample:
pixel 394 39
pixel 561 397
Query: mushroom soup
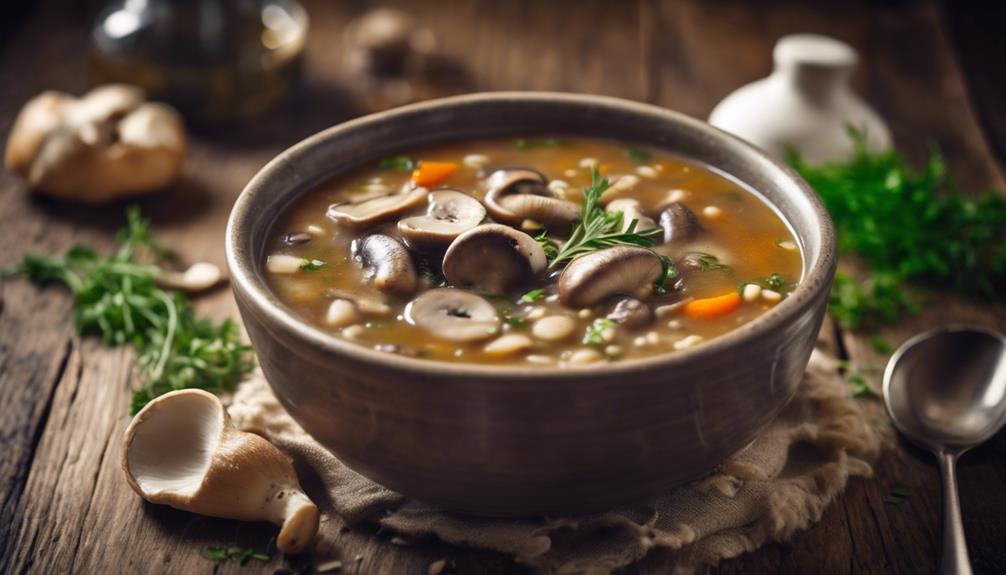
pixel 543 251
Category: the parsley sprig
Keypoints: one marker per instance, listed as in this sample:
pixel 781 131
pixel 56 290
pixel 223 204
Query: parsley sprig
pixel 117 298
pixel 909 226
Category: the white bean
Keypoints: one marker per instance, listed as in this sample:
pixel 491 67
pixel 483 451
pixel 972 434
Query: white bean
pixel 584 356
pixel 554 327
pixel 647 172
pixel 752 292
pixel 475 161
pixel 283 264
pixel 540 359
pixel 589 163
pixel 770 295
pixel 508 344
pixel 787 245
pixel 712 212
pixel 341 312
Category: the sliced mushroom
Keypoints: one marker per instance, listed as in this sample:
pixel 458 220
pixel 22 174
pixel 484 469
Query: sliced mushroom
pixel 519 194
pixel 492 258
pixel 631 313
pixel 387 264
pixel 453 314
pixel 679 223
pixel 365 304
pixel 591 278
pixel 450 214
pixel 374 210
pixel 632 210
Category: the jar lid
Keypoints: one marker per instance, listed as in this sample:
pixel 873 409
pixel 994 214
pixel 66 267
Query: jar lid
pixel 813 50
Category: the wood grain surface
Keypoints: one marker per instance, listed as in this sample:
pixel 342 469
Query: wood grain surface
pixel 64 506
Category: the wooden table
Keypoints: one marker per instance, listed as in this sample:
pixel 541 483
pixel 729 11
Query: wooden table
pixel 64 505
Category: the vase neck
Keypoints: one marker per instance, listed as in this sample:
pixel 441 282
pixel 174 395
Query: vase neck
pixel 817 67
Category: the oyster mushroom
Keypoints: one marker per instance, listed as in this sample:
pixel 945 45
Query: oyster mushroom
pixel 591 278
pixel 387 264
pixel 492 258
pixel 679 223
pixel 450 214
pixel 374 210
pixel 519 194
pixel 453 314
pixel 182 450
pixel 631 210
pixel 110 143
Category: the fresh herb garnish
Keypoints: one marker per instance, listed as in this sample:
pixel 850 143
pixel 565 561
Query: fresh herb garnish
pixel 533 295
pixel 532 143
pixel 909 226
pixel 706 262
pixel 117 298
pixel 774 281
pixel 595 331
pixel 667 273
pixel 398 164
pixel 312 265
pixel 597 228
pixel 547 245
pixel 637 155
pixel 880 345
pixel 861 387
pixel 899 493
pixel 239 555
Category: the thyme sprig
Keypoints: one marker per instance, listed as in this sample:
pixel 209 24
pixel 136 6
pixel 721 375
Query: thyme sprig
pixel 118 299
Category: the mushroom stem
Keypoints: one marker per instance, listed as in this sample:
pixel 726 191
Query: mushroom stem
pixel 298 519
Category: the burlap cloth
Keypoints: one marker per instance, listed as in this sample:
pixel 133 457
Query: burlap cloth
pixel 778 485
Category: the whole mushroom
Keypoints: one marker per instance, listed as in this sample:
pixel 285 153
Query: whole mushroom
pixel 679 223
pixel 492 258
pixel 453 314
pixel 518 194
pixel 450 214
pixel 387 264
pixel 591 278
pixel 110 143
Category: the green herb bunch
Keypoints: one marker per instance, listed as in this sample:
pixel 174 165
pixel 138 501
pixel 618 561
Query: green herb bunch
pixel 908 226
pixel 118 299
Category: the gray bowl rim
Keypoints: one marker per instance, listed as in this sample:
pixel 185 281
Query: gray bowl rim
pixel 246 275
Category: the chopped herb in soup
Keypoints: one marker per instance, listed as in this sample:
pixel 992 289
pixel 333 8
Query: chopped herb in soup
pixel 551 251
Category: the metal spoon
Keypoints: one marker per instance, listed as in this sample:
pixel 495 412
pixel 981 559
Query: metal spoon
pixel 946 391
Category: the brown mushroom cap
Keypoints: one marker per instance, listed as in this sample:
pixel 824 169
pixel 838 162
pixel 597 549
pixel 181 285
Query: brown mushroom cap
pixel 450 214
pixel 453 314
pixel 518 194
pixel 492 258
pixel 679 223
pixel 374 210
pixel 591 278
pixel 387 264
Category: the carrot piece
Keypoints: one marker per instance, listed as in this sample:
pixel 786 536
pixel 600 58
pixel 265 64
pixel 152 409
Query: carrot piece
pixel 432 173
pixel 711 307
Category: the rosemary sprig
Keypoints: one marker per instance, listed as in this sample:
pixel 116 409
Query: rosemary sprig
pixel 597 228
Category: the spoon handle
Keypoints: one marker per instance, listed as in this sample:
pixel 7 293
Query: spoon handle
pixel 955 559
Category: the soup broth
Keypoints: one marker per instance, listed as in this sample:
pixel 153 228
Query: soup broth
pixel 449 253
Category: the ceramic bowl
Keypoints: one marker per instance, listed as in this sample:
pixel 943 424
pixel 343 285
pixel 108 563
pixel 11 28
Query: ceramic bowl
pixel 520 441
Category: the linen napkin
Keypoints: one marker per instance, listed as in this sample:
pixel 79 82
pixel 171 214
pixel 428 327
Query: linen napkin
pixel 776 486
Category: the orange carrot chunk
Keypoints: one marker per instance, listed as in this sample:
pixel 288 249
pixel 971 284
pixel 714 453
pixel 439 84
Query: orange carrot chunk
pixel 711 307
pixel 432 173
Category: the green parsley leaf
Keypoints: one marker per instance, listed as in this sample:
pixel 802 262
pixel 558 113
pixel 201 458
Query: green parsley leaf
pixel 398 164
pixel 637 155
pixel 667 273
pixel 216 554
pixel 899 493
pixel 706 262
pixel 533 295
pixel 595 331
pixel 861 387
pixel 312 265
pixel 910 227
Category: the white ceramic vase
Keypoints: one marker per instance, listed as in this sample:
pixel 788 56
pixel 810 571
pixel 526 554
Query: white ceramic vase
pixel 805 104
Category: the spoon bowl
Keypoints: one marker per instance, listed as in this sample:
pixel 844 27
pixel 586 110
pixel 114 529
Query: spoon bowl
pixel 946 391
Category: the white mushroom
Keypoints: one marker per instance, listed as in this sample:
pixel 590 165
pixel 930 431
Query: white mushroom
pixel 200 276
pixel 453 314
pixel 518 194
pixel 182 450
pixel 387 264
pixel 374 210
pixel 492 258
pixel 450 214
pixel 108 144
pixel 591 278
